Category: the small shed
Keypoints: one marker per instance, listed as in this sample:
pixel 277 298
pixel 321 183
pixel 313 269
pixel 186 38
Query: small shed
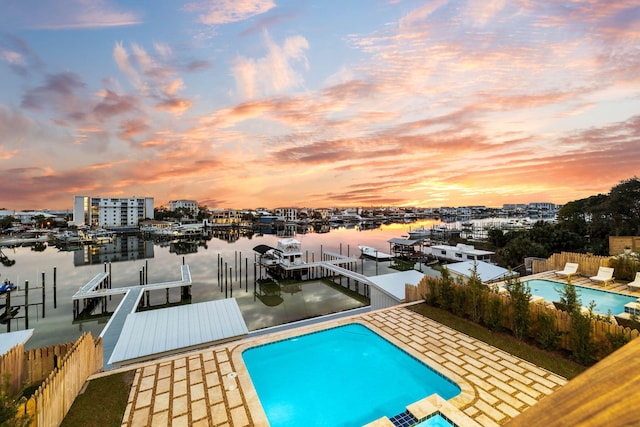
pixel 488 272
pixel 387 290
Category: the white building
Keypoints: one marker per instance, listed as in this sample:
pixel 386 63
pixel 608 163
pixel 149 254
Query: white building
pixel 111 211
pixel 388 290
pixel 487 273
pixel 459 252
pixel 191 205
pixel 287 214
pixel 225 216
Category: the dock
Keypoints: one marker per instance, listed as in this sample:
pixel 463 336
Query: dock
pixel 100 287
pixel 155 333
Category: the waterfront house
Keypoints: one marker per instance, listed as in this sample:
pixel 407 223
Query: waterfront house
pixel 458 253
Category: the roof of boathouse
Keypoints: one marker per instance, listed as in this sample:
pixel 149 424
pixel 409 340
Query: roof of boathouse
pixel 262 249
pixel 403 242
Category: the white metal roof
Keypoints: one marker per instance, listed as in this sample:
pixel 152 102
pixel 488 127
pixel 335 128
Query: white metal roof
pixel 467 249
pixel 11 339
pixel 486 271
pixel 155 333
pixel 393 284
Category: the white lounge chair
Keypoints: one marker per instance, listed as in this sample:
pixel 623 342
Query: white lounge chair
pixel 635 285
pixel 570 269
pixel 605 275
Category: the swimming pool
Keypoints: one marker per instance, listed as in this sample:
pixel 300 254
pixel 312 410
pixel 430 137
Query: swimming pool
pixel 436 421
pixel 343 376
pixel 605 300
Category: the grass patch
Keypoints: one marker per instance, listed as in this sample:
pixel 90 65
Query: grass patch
pixel 555 362
pixel 103 402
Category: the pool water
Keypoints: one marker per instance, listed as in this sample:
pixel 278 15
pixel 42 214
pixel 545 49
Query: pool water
pixel 605 301
pixel 344 376
pixel 435 421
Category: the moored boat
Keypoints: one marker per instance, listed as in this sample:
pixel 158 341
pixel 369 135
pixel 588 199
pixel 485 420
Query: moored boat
pixel 7 286
pixel 370 252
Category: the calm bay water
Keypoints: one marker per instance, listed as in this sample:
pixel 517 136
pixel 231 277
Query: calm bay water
pixel 162 262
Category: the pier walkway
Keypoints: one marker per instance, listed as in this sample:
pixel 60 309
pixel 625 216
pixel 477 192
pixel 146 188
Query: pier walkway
pixel 111 332
pixel 347 273
pixel 338 260
pixel 99 287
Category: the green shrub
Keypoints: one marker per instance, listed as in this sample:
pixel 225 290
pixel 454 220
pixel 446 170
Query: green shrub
pixel 476 296
pixel 625 266
pixel 446 290
pixel 547 335
pixel 431 297
pixel 9 407
pixel 583 349
pixel 459 295
pixel 494 313
pixel 616 341
pixel 520 301
pixel 569 298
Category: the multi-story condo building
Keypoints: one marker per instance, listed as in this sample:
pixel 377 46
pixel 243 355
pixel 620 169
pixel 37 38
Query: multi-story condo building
pixel 191 205
pixel 226 216
pixel 111 211
pixel 287 214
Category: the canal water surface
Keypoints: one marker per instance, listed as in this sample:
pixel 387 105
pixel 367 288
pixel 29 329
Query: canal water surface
pixel 262 304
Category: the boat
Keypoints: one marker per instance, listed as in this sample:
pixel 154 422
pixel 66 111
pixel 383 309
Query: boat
pixel 100 237
pixel 419 233
pixel 370 252
pixel 288 253
pixel 7 286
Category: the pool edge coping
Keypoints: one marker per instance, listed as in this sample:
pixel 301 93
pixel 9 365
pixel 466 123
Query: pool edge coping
pixel 466 396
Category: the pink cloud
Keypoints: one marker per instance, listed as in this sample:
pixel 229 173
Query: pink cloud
pixel 217 12
pixel 69 15
pixel 274 72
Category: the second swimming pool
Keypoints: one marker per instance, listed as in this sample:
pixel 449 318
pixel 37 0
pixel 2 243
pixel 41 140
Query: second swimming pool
pixel 343 376
pixel 605 301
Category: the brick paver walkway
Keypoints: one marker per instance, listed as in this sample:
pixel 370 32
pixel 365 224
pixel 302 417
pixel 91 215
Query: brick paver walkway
pixel 212 387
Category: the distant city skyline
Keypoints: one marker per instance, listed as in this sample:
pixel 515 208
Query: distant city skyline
pixel 239 104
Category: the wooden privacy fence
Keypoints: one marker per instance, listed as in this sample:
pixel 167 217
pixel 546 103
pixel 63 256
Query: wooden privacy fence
pixel 39 362
pixel 51 402
pixel 12 369
pixel 588 263
pixel 600 329
pixel 619 244
pixel 27 367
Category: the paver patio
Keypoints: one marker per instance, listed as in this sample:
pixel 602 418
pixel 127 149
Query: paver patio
pixel 212 387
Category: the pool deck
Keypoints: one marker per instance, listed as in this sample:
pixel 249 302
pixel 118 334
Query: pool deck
pixel 615 286
pixel 212 387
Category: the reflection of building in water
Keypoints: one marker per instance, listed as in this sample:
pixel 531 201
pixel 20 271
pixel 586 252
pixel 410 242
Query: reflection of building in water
pixel 286 230
pixel 123 248
pixel 231 234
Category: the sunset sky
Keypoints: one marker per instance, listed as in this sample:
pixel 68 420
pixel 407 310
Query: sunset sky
pixel 273 103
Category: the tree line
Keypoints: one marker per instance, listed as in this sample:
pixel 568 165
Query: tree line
pixel 582 225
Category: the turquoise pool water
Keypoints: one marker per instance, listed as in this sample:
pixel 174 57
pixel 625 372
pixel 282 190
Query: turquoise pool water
pixel 435 421
pixel 605 300
pixel 344 376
